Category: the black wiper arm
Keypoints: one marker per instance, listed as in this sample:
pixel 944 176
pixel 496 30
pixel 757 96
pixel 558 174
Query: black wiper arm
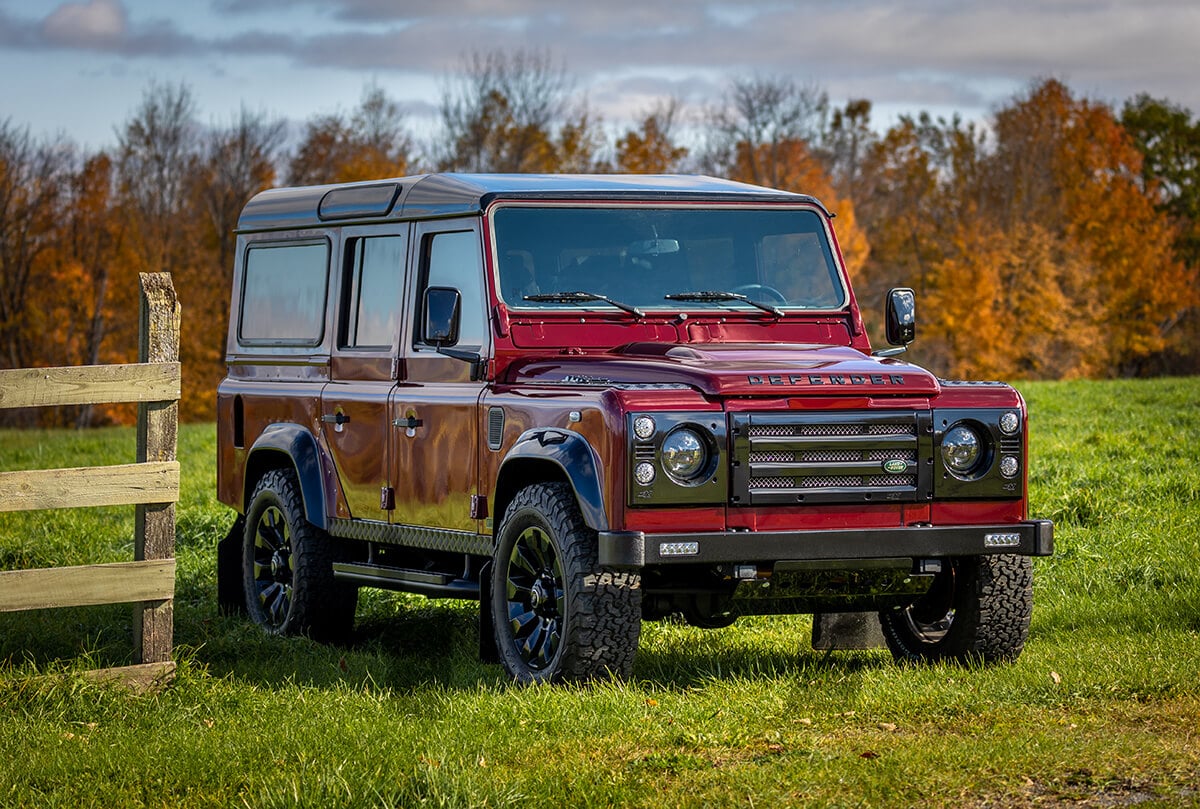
pixel 724 296
pixel 582 297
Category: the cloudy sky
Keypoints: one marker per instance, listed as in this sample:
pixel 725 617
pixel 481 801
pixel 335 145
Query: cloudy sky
pixel 79 68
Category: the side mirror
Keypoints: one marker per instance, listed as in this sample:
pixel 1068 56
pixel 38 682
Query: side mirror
pixel 901 316
pixel 443 308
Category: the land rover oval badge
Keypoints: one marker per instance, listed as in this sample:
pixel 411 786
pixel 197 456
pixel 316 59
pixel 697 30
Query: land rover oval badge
pixel 895 466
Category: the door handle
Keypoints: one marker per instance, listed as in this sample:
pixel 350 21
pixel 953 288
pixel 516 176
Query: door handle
pixel 335 418
pixel 409 422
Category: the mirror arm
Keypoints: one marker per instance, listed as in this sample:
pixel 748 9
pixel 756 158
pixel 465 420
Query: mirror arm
pixel 477 361
pixel 889 352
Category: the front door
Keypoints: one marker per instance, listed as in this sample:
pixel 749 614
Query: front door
pixel 435 410
pixel 364 369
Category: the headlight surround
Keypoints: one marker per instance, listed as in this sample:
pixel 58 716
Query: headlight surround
pixel 962 449
pixel 684 454
pixel 677 458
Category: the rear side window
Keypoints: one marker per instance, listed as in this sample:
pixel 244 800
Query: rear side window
pixel 374 282
pixel 283 294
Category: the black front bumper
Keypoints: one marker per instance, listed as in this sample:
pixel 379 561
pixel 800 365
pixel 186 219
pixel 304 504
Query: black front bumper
pixel 635 549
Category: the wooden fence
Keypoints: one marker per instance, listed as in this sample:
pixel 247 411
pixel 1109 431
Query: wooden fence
pixel 152 484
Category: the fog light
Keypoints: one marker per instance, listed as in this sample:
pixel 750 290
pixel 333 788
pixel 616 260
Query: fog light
pixel 1009 466
pixel 643 473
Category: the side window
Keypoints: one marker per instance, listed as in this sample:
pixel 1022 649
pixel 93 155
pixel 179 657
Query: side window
pixel 371 292
pixel 453 260
pixel 283 294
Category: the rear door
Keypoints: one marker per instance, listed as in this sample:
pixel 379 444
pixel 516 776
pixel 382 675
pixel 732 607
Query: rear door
pixel 364 366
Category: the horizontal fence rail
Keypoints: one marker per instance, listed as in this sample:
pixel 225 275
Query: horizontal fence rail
pixel 89 384
pixel 152 484
pixel 121 485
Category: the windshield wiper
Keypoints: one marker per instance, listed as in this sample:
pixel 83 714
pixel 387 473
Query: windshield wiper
pixel 724 296
pixel 583 297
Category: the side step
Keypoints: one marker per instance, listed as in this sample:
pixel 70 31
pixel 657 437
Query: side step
pixel 422 582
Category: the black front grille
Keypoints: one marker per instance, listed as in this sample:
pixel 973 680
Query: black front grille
pixel 829 457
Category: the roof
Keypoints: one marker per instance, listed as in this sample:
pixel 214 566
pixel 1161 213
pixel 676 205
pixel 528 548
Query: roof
pixel 441 195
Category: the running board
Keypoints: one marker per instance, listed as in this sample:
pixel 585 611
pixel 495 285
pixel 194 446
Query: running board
pixel 422 582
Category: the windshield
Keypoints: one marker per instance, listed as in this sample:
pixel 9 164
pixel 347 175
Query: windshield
pixel 635 256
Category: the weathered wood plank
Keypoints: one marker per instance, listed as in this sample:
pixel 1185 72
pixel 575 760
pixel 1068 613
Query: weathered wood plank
pixel 123 484
pixel 158 424
pixel 87 585
pixel 146 678
pixel 90 384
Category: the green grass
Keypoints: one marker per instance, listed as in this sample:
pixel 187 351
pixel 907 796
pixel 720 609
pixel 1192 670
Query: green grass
pixel 1102 709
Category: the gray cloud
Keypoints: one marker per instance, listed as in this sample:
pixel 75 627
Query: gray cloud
pixel 927 52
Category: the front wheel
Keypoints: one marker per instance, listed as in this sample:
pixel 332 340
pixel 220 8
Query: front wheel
pixel 977 610
pixel 559 616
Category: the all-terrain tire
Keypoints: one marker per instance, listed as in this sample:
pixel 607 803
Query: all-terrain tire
pixel 977 610
pixel 287 566
pixel 557 615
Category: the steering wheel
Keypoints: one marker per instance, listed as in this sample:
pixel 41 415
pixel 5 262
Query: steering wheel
pixel 761 293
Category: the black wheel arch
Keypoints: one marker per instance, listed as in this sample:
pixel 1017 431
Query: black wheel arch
pixel 290 445
pixel 553 456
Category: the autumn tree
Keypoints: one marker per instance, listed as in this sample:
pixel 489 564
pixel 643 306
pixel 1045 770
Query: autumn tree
pixel 652 148
pixel 237 161
pixel 371 143
pixel 1169 140
pixel 512 112
pixel 752 128
pixel 1090 191
pixel 31 183
pixel 843 144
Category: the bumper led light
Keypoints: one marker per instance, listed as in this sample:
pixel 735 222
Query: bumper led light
pixel 1001 540
pixel 678 548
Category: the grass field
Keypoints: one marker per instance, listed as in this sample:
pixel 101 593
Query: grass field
pixel 1102 709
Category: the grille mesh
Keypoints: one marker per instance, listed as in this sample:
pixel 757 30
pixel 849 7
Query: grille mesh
pixel 846 457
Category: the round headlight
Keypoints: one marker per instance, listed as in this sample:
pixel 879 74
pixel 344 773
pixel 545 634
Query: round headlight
pixel 643 427
pixel 684 454
pixel 1010 422
pixel 1009 466
pixel 644 473
pixel 961 449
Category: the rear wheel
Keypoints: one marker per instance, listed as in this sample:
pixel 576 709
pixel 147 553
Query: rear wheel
pixel 287 566
pixel 978 609
pixel 559 616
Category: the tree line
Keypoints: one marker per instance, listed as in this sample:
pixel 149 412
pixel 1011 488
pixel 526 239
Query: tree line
pixel 1060 238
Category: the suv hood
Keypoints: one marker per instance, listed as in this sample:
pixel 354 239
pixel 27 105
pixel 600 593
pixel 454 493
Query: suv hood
pixel 734 369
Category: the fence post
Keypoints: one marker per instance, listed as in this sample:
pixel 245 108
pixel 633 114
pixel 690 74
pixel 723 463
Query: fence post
pixel 154 524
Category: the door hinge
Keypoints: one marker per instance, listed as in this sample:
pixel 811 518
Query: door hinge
pixel 409 422
pixel 387 498
pixel 479 507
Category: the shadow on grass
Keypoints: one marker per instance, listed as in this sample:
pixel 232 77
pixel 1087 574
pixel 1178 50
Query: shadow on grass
pixel 403 643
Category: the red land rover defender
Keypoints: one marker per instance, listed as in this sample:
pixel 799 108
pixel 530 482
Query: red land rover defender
pixel 592 401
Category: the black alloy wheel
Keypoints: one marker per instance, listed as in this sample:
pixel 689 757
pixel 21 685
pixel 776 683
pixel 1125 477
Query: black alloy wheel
pixel 536 598
pixel 287 566
pixel 272 566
